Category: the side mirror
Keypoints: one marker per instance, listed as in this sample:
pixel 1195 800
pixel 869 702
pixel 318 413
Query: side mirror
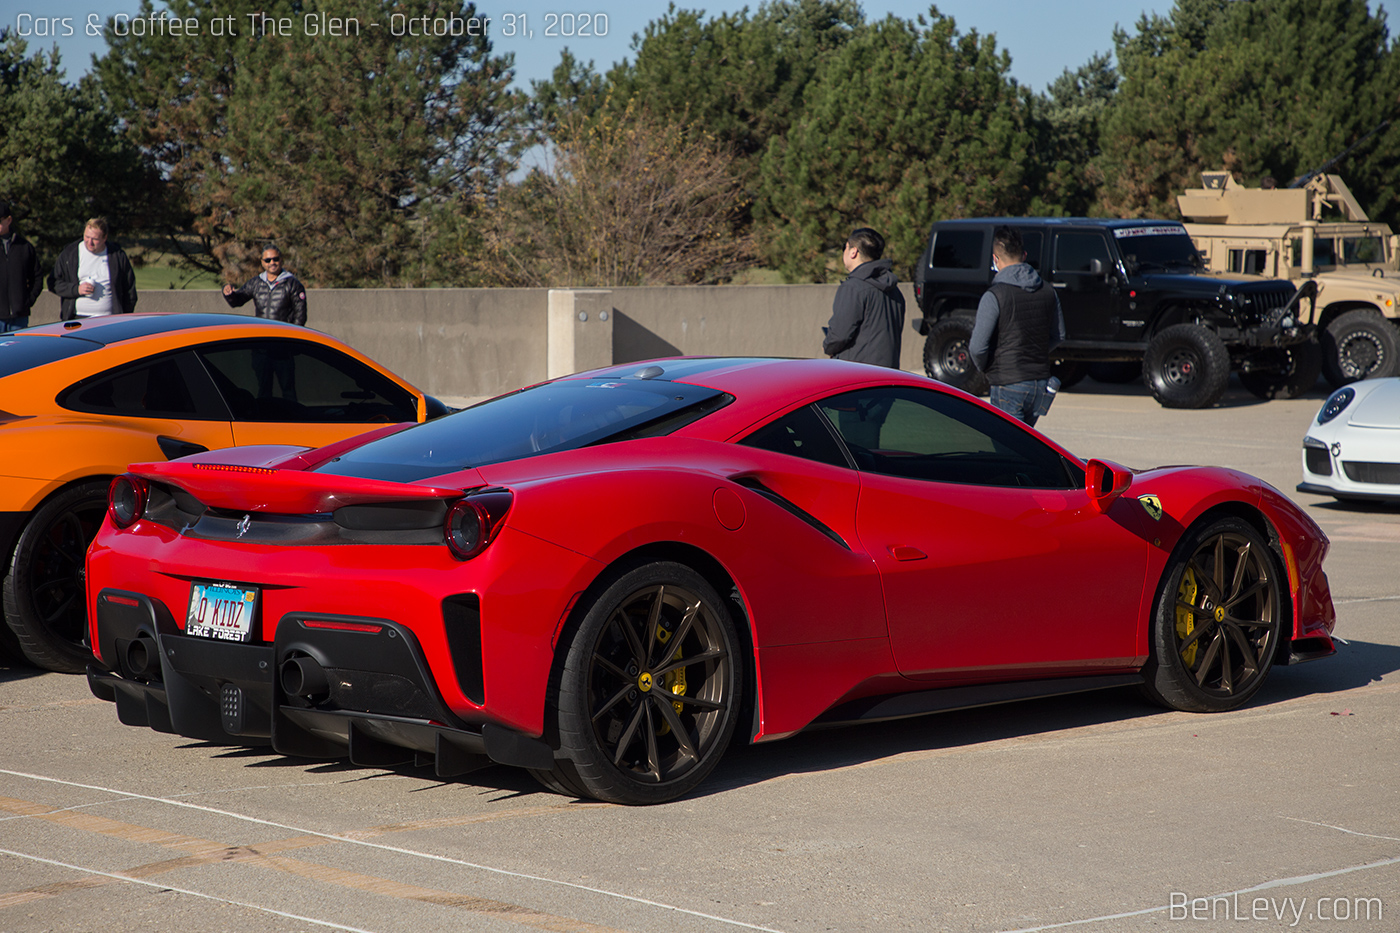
pixel 1096 266
pixel 1105 481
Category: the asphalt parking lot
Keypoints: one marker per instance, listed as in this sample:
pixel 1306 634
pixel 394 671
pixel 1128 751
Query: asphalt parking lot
pixel 1094 812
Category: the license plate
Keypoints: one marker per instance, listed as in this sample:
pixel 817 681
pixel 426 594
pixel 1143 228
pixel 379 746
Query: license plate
pixel 222 610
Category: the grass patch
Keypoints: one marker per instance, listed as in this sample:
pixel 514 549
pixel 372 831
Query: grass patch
pixel 161 278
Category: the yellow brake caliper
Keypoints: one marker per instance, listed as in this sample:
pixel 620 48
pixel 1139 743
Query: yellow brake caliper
pixel 673 681
pixel 1185 619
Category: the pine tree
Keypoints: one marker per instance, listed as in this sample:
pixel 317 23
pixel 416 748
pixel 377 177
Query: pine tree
pixel 62 159
pixel 1259 88
pixel 338 148
pixel 906 124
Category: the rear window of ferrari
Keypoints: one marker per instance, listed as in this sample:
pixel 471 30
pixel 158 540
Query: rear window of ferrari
pixel 542 419
pixel 20 351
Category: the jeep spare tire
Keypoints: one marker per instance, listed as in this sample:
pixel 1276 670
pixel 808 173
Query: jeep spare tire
pixel 946 355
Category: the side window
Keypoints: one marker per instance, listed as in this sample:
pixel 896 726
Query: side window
pixel 922 434
pixel 801 433
pixel 1247 261
pixel 957 249
pixel 291 381
pixel 150 389
pixel 1074 251
pixel 1324 252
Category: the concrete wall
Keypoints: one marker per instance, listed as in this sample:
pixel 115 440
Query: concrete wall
pixel 481 341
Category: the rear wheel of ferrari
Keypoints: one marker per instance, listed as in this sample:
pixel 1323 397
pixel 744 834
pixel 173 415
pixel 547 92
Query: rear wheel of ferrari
pixel 44 593
pixel 651 688
pixel 1217 621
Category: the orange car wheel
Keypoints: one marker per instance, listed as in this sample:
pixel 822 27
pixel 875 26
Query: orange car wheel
pixel 44 589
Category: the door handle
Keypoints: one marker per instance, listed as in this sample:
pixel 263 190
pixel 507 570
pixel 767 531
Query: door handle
pixel 905 552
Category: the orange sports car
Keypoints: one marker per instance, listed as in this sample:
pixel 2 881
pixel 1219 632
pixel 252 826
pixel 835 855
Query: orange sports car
pixel 82 399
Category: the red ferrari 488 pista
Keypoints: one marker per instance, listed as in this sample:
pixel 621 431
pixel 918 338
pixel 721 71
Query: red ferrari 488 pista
pixel 603 577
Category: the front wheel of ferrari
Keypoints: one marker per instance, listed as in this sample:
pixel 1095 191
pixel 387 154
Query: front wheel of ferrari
pixel 650 690
pixel 1217 621
pixel 44 592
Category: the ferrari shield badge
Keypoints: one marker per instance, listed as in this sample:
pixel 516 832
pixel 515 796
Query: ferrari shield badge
pixel 1153 505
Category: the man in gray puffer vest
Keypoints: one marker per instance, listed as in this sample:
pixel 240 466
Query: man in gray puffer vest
pixel 867 316
pixel 1018 323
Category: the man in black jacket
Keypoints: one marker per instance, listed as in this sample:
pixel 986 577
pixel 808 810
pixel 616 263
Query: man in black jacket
pixel 275 293
pixel 867 316
pixel 20 282
pixel 92 276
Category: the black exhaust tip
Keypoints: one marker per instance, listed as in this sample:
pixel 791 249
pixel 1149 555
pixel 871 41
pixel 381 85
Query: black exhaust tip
pixel 304 677
pixel 143 657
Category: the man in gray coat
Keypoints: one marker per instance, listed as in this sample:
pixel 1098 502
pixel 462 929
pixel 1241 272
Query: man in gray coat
pixel 867 317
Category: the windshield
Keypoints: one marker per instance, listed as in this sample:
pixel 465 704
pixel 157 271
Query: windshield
pixel 1359 250
pixel 543 419
pixel 1160 246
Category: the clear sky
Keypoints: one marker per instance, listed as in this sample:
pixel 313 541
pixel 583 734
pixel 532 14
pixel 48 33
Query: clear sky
pixel 1044 37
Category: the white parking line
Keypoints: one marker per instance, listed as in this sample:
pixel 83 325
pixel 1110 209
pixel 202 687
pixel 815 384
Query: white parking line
pixel 385 848
pixel 167 887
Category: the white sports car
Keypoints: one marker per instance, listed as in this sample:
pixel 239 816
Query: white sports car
pixel 1352 448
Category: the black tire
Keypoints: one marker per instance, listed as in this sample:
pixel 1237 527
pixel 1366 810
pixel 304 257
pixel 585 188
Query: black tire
pixel 1293 371
pixel 1186 366
pixel 1217 620
pixel 1115 372
pixel 946 356
pixel 1359 345
pixel 1069 372
pixel 619 740
pixel 10 651
pixel 44 591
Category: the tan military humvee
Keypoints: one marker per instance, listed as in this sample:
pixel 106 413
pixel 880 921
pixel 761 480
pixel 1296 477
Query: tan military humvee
pixel 1280 233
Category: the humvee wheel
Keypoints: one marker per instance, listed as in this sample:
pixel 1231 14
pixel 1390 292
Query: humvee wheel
pixel 1359 345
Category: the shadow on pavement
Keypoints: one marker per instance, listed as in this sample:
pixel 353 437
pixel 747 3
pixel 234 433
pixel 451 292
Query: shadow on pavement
pixel 1356 664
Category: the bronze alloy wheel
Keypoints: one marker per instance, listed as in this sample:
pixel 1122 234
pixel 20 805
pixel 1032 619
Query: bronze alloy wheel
pixel 1218 619
pixel 650 691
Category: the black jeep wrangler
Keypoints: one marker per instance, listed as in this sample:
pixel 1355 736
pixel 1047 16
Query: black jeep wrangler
pixel 1132 291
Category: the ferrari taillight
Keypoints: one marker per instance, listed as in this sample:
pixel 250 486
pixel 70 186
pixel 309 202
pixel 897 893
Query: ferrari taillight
pixel 126 499
pixel 472 522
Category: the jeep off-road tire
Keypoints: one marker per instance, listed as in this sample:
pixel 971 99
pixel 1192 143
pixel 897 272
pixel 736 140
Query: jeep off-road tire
pixel 1186 366
pixel 1359 345
pixel 947 358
